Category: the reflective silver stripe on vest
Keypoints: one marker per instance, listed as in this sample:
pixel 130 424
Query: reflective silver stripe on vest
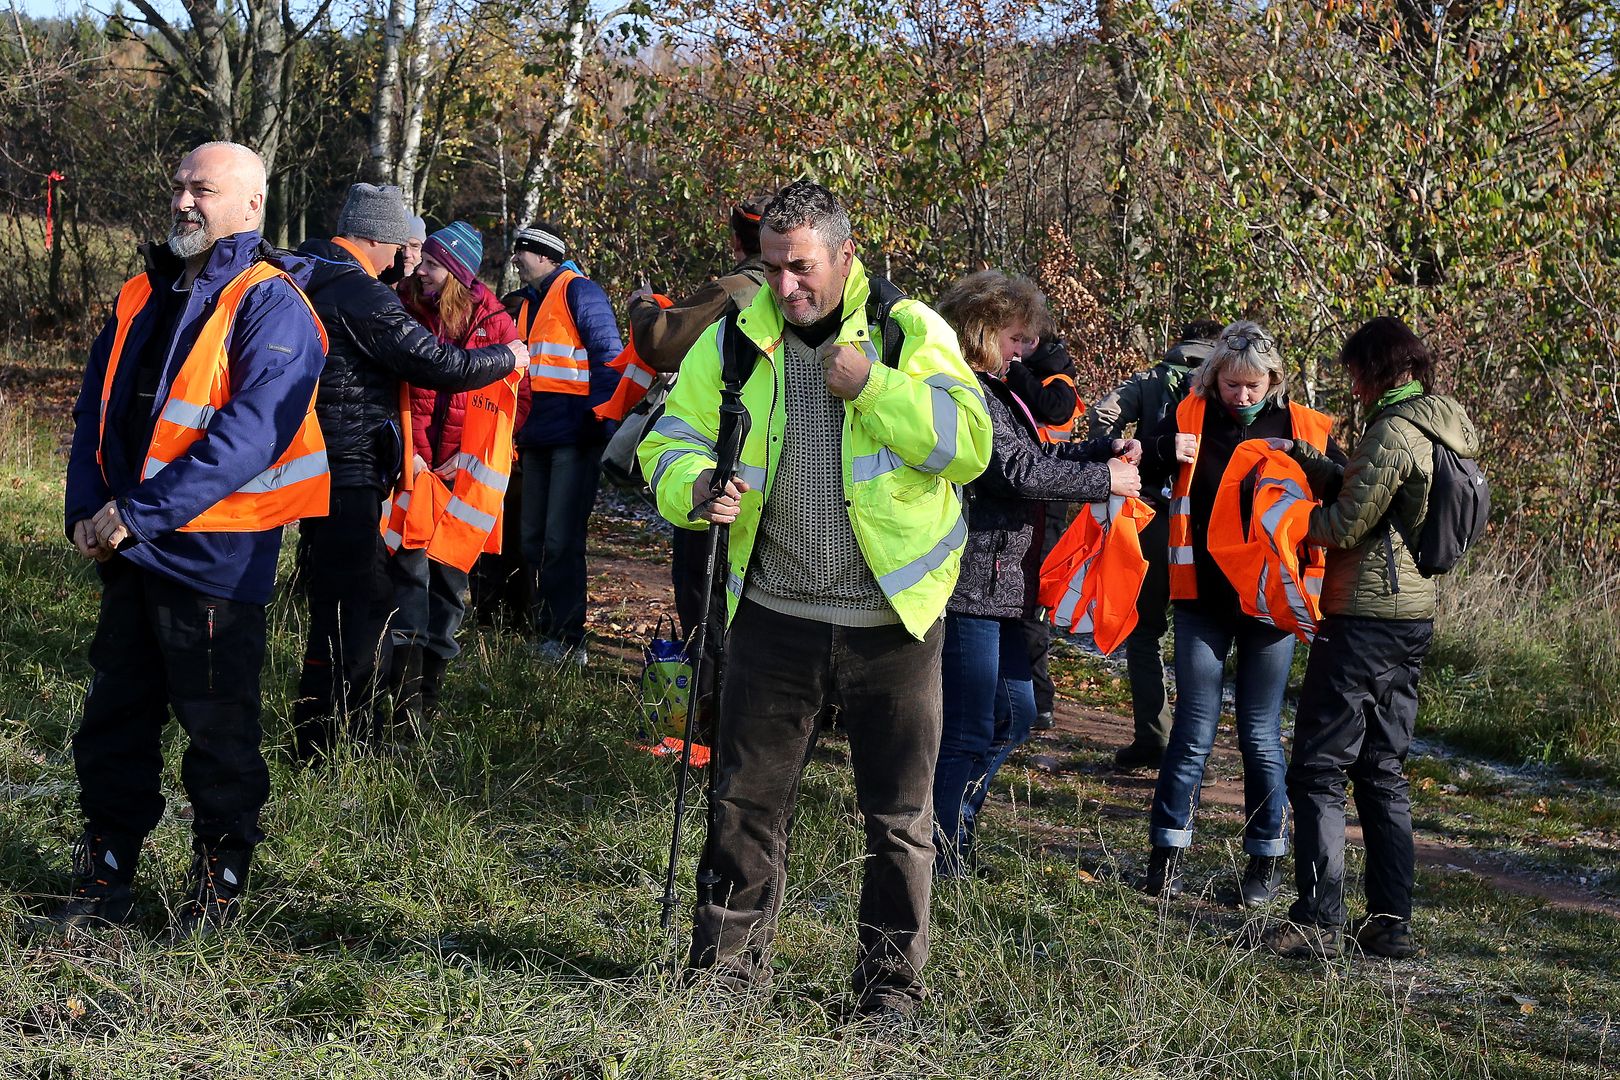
pixel 1103 514
pixel 403 499
pixel 557 371
pixel 898 581
pixel 186 415
pixel 752 475
pixel 295 471
pixel 1181 556
pixel 471 515
pixel 871 466
pixel 665 460
pixel 1269 521
pixel 484 474
pixel 734 585
pixel 671 426
pixel 392 540
pixel 552 348
pixel 869 350
pixel 945 420
pixel 1181 504
pixel 639 375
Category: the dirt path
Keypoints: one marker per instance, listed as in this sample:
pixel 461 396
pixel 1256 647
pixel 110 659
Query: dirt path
pixel 1131 794
pixel 628 595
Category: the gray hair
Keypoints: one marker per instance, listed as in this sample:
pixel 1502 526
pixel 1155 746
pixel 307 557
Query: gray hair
pixel 1242 346
pixel 806 203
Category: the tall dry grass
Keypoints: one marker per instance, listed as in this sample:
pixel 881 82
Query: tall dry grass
pixel 1526 659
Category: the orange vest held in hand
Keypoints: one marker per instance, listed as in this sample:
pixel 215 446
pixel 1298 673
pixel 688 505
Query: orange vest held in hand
pixel 635 377
pixel 558 362
pixel 1056 433
pixel 1257 535
pixel 458 522
pixel 1092 578
pixel 297 485
pixel 1308 426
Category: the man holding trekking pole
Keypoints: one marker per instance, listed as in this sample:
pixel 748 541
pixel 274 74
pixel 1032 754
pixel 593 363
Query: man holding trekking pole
pixel 846 533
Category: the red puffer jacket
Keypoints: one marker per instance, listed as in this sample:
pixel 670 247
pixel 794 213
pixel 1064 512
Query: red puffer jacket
pixel 437 415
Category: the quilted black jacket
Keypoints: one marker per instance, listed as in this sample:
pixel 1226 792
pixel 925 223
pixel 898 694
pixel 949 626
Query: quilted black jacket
pixel 373 345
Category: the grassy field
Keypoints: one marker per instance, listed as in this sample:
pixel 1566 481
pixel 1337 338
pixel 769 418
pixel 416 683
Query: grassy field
pixel 485 903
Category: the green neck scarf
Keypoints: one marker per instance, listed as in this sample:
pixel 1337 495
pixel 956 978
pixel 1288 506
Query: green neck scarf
pixel 1400 393
pixel 1247 413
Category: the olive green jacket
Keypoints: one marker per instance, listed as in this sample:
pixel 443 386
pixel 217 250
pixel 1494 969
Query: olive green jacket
pixel 1391 469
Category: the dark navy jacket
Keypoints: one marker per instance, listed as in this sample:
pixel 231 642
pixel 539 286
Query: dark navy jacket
pixel 275 361
pixel 566 419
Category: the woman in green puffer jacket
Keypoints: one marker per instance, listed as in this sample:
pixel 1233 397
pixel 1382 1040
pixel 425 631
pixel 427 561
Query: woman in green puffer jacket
pixel 1359 699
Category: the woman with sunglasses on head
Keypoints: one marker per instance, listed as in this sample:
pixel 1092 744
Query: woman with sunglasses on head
pixel 1239 393
pixel 989 699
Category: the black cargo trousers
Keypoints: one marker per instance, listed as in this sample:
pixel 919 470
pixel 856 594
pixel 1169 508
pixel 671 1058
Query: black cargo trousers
pixel 161 645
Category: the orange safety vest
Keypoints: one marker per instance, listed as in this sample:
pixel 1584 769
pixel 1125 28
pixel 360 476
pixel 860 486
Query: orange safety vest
pixel 558 362
pixel 298 483
pixel 1056 433
pixel 1277 575
pixel 457 523
pixel 635 376
pixel 1091 580
pixel 1308 425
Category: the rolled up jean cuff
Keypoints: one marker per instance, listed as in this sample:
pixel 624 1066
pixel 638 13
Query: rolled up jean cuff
pixel 1176 838
pixel 1271 848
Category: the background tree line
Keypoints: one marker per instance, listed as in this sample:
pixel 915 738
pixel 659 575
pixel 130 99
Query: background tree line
pixel 1306 162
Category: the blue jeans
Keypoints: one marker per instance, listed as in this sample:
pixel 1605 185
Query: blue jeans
pixel 989 707
pixel 559 490
pixel 1263 657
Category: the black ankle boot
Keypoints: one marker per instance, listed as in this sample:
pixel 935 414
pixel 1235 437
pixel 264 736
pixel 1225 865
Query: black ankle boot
pixel 218 877
pixel 433 667
pixel 1163 873
pixel 405 686
pixel 103 880
pixel 1262 881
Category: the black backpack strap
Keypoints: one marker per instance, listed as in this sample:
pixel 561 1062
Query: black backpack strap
pixel 738 353
pixel 881 297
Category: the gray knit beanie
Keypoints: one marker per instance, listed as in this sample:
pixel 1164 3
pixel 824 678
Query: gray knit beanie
pixel 375 213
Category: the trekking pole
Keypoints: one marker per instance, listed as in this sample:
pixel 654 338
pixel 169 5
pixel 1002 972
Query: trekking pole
pixel 728 445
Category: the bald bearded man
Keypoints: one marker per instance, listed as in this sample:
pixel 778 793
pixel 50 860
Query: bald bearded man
pixel 194 442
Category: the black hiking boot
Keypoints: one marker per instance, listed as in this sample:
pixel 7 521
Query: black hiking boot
pixel 433 667
pixel 102 893
pixel 405 688
pixel 218 876
pixel 1262 881
pixel 1138 755
pixel 1163 873
pixel 1383 935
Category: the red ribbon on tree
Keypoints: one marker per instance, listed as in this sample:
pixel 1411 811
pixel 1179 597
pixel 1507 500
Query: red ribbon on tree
pixel 50 218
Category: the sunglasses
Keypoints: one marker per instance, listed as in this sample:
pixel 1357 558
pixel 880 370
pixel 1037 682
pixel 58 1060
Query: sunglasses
pixel 1242 342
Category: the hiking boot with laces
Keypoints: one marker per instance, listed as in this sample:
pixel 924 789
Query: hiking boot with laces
pixel 218 876
pixel 1262 881
pixel 1302 941
pixel 1386 936
pixel 1163 873
pixel 103 873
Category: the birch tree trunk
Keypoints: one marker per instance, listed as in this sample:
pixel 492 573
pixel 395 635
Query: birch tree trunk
pixel 384 167
pixel 543 143
pixel 414 181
